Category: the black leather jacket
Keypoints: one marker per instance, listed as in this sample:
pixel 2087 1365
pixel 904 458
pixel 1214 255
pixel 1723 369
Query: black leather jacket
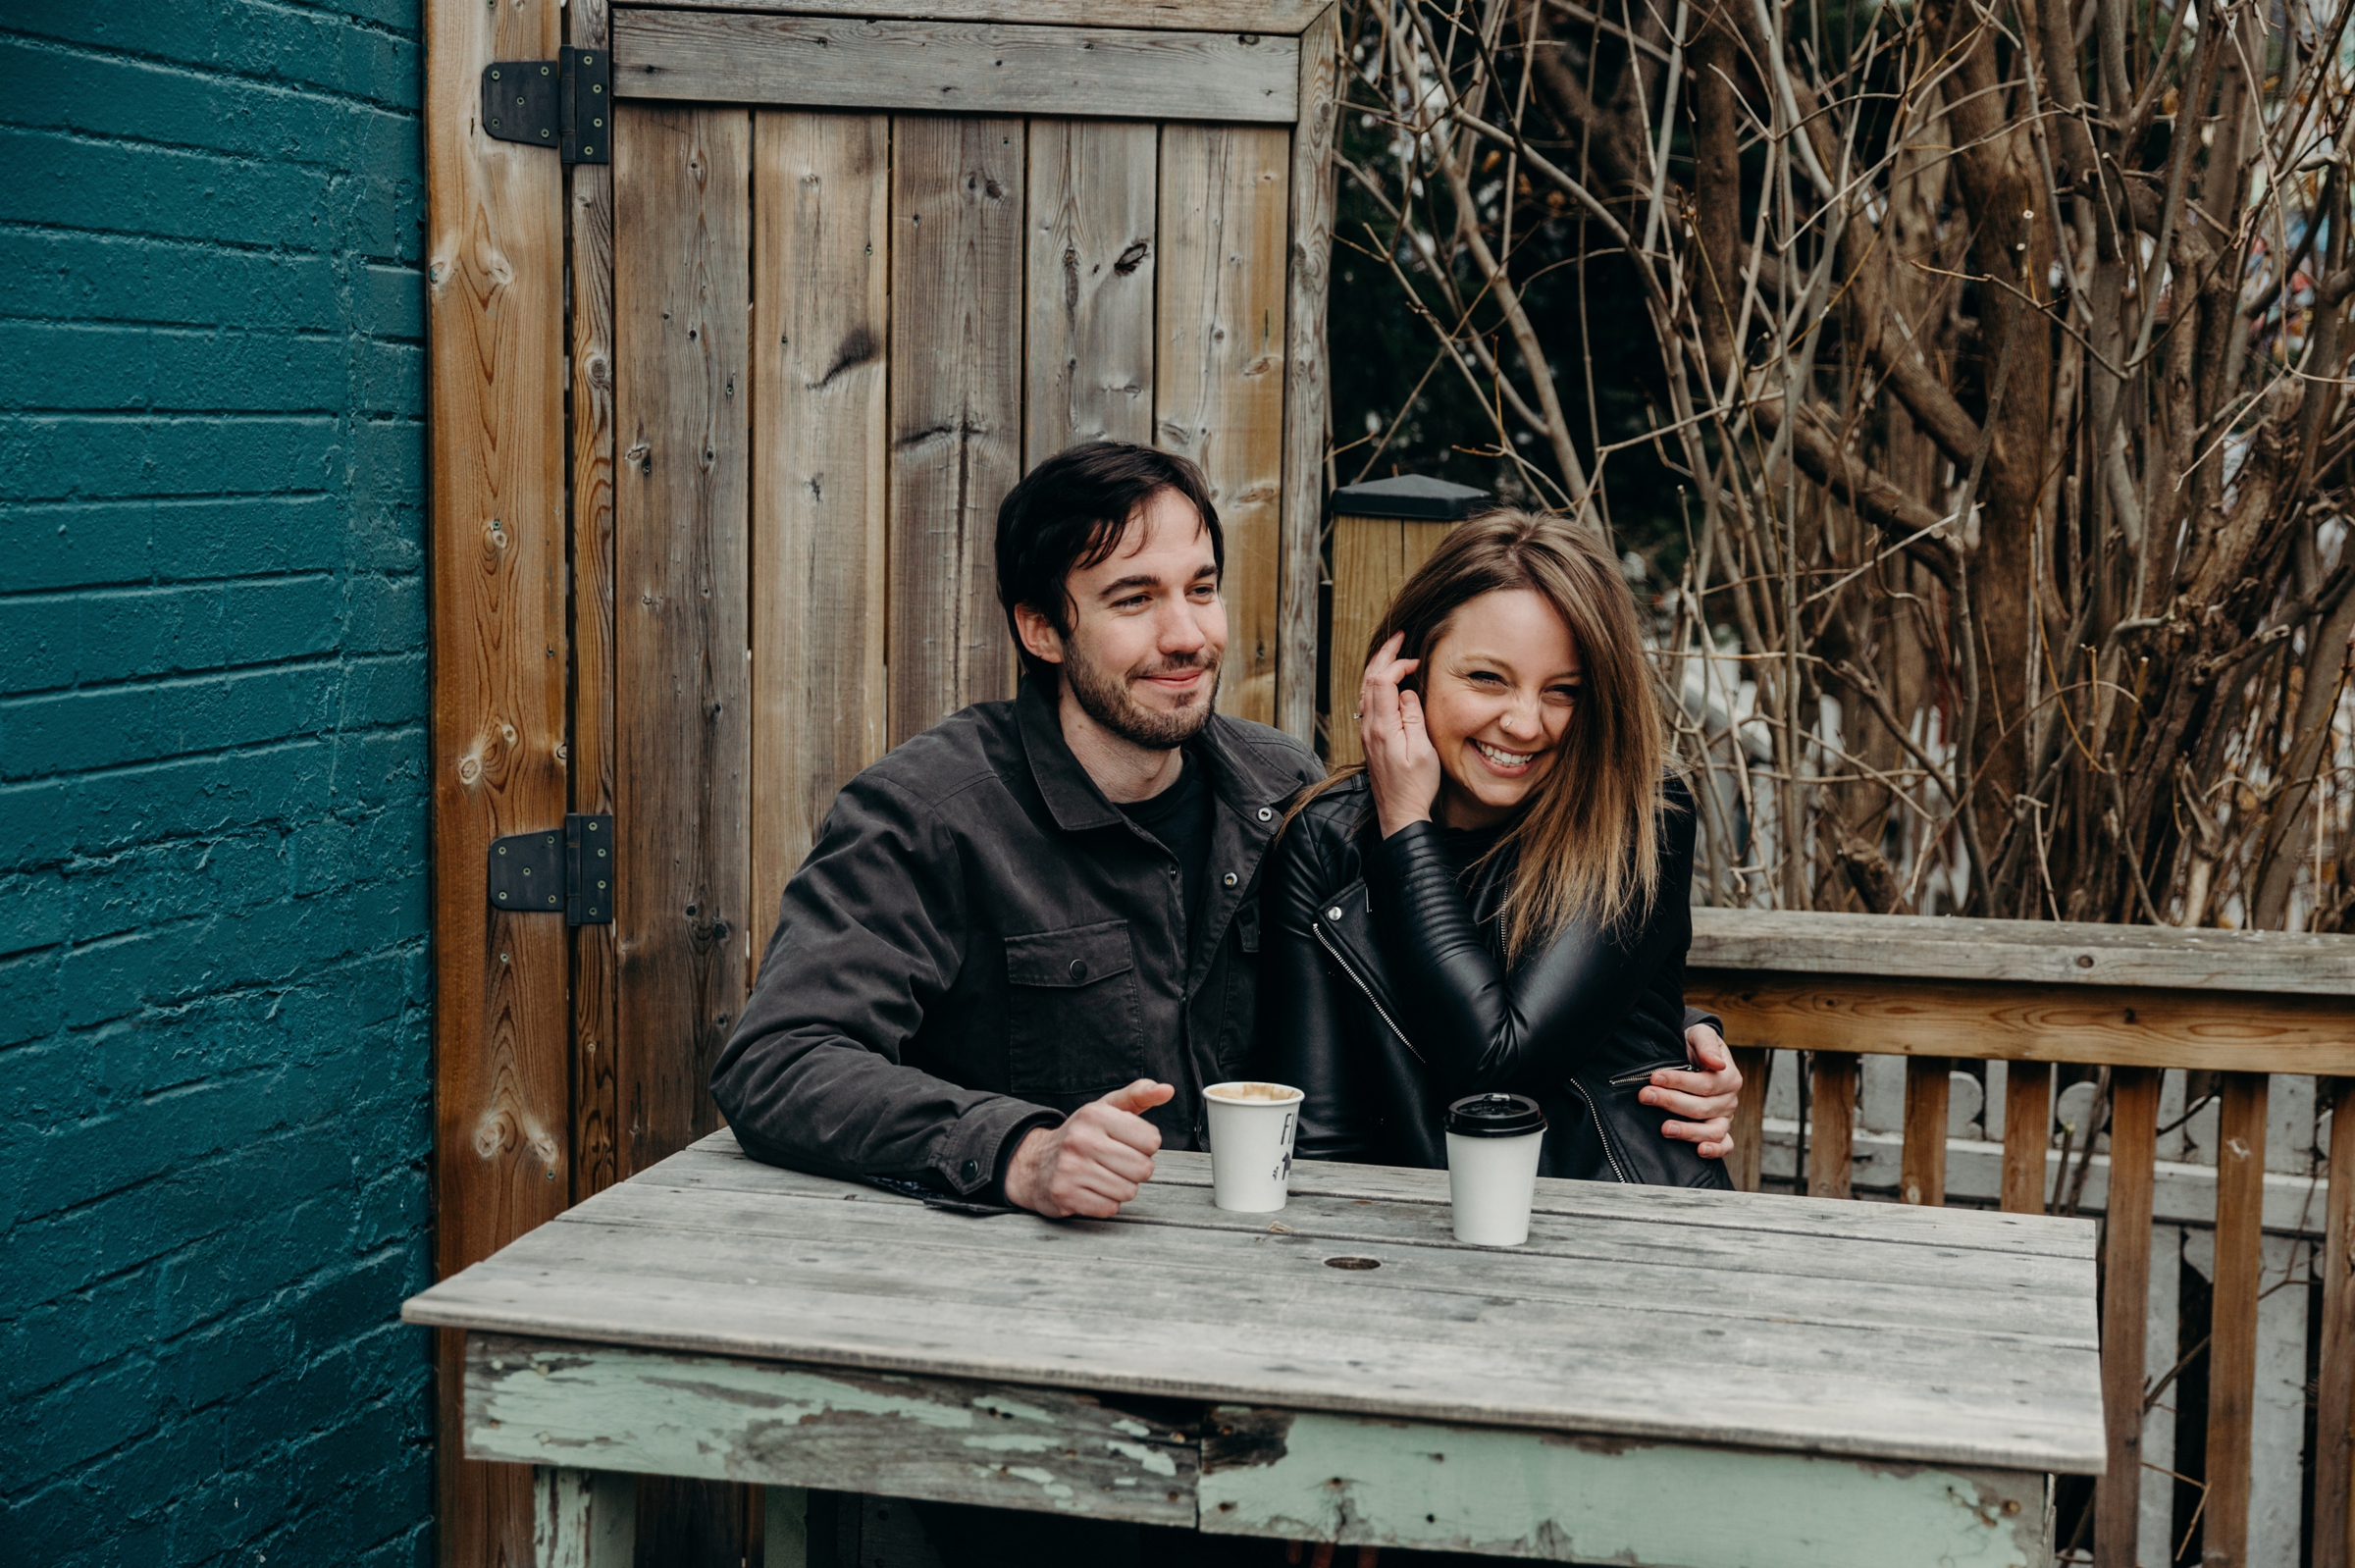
pixel 1383 996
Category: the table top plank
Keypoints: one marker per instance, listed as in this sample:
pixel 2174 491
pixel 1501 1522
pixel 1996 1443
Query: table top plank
pixel 1970 1344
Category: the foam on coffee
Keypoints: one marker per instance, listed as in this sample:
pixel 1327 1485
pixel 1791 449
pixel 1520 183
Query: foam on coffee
pixel 1273 1093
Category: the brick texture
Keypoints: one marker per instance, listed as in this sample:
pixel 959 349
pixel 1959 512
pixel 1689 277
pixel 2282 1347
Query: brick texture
pixel 215 1076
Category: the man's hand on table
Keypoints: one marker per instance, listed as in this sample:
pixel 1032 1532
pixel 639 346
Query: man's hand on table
pixel 1703 1100
pixel 1095 1160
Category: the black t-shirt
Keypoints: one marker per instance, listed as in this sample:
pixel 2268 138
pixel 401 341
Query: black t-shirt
pixel 1179 818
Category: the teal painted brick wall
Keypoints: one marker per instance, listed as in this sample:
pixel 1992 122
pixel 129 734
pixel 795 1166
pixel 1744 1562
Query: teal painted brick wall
pixel 215 1074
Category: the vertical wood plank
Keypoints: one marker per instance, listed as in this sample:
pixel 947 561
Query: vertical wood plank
pixel 2335 1389
pixel 955 408
pixel 1219 371
pixel 2162 1345
pixel 1371 557
pixel 1832 1129
pixel 495 292
pixel 2125 1309
pixel 2028 1135
pixel 593 957
pixel 682 286
pixel 2232 1343
pixel 583 1518
pixel 1307 393
pixel 1922 1168
pixel 1088 339
pixel 2279 1389
pixel 785 1529
pixel 1747 1162
pixel 820 502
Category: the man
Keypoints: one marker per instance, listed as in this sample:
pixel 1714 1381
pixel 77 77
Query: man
pixel 1027 938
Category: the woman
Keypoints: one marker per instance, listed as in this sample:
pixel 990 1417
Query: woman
pixel 1498 899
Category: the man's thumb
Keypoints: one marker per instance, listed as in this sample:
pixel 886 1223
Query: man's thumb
pixel 1139 1097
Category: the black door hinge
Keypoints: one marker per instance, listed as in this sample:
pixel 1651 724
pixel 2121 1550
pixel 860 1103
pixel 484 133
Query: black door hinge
pixel 565 103
pixel 543 872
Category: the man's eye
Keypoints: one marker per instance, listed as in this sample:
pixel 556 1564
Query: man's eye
pixel 1130 602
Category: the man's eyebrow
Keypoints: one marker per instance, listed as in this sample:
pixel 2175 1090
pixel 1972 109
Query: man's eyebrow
pixel 1121 584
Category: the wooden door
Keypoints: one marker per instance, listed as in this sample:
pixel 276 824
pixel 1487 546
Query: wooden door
pixel 813 329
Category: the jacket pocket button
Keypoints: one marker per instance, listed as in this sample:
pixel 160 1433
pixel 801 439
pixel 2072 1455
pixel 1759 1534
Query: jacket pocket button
pixel 1264 813
pixel 971 1170
pixel 1079 969
pixel 1228 879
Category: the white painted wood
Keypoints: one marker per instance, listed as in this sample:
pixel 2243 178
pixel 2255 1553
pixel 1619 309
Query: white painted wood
pixel 1933 947
pixel 953 67
pixel 2289 1124
pixel 1965 1102
pixel 1188 16
pixel 1386 1484
pixel 1862 1359
pixel 2160 1352
pixel 583 1518
pixel 714 1417
pixel 1881 1094
pixel 2277 1417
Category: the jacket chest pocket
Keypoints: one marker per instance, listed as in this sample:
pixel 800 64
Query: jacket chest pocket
pixel 1073 1019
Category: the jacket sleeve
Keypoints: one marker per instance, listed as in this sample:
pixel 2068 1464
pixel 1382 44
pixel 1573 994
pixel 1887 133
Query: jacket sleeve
pixel 1304 1029
pixel 1481 1027
pixel 870 939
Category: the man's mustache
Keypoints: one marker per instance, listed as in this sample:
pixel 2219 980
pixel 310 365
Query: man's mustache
pixel 1204 661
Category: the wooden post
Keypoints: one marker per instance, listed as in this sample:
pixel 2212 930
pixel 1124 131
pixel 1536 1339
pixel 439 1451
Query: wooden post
pixel 2232 1341
pixel 2335 1392
pixel 1307 379
pixel 2126 1303
pixel 1382 532
pixel 2028 1135
pixel 584 1518
pixel 1927 1087
pixel 1832 1132
pixel 1747 1162
pixel 502 1108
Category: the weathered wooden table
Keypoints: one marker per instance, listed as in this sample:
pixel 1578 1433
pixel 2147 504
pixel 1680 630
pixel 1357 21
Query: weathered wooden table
pixel 1658 1376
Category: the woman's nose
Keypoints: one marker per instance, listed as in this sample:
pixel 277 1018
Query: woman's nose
pixel 1520 717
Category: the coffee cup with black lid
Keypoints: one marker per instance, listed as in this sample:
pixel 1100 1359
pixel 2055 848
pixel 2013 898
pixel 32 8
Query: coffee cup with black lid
pixel 1492 1146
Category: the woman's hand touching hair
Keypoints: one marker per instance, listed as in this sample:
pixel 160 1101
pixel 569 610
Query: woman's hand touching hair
pixel 1401 760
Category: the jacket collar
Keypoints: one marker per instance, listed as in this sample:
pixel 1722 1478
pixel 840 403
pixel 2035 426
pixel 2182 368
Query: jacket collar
pixel 1238 775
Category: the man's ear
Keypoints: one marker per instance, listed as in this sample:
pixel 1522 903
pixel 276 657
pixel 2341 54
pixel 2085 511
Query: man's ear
pixel 1039 634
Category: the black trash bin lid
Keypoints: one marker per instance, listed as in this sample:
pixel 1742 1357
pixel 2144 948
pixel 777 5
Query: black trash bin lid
pixel 1495 1116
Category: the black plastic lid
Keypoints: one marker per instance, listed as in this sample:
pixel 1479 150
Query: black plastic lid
pixel 1495 1116
pixel 1410 496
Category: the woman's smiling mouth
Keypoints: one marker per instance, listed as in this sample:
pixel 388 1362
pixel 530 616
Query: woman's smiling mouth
pixel 1502 760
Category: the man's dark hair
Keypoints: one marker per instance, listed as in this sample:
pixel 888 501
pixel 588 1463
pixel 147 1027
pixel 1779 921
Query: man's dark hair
pixel 1069 514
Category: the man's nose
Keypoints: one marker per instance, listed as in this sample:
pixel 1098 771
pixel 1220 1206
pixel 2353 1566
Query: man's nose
pixel 1180 629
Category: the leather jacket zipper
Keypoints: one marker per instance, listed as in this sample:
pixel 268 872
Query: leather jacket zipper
pixel 1602 1131
pixel 1360 981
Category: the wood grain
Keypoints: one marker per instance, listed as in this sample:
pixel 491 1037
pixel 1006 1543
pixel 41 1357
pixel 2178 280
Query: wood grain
pixel 1747 1161
pixel 955 409
pixel 1307 385
pixel 1922 1174
pixel 583 1519
pixel 682 285
pixel 1186 15
pixel 2333 1535
pixel 2027 1136
pixel 1937 947
pixel 2030 1021
pixel 2232 1341
pixel 2125 1311
pixel 1218 369
pixel 594 957
pixel 957 67
pixel 1997 1372
pixel 769 1422
pixel 1831 1123
pixel 496 302
pixel 1371 558
pixel 1091 259
pixel 822 199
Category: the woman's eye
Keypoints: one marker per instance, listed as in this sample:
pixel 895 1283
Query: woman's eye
pixel 1487 677
pixel 1566 693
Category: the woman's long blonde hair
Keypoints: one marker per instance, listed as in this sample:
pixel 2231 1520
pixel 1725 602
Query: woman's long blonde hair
pixel 1587 846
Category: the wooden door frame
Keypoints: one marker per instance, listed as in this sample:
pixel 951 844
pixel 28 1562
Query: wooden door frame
pixel 520 432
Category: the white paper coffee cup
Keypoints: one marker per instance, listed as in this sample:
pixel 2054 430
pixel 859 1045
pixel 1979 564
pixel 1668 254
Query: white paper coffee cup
pixel 1251 1127
pixel 1492 1146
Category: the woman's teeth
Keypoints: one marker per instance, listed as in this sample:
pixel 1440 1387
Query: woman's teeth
pixel 1504 758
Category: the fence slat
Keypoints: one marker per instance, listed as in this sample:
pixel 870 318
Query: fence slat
pixel 2028 1135
pixel 2125 1306
pixel 1923 1177
pixel 1747 1161
pixel 1832 1129
pixel 2232 1341
pixel 2335 1392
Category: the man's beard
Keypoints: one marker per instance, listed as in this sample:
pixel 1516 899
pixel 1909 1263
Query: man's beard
pixel 1104 697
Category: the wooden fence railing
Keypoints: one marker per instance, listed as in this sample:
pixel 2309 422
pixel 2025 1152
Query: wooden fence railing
pixel 2131 1002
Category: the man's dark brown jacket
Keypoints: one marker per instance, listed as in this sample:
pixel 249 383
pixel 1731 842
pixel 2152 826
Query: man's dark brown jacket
pixel 980 942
